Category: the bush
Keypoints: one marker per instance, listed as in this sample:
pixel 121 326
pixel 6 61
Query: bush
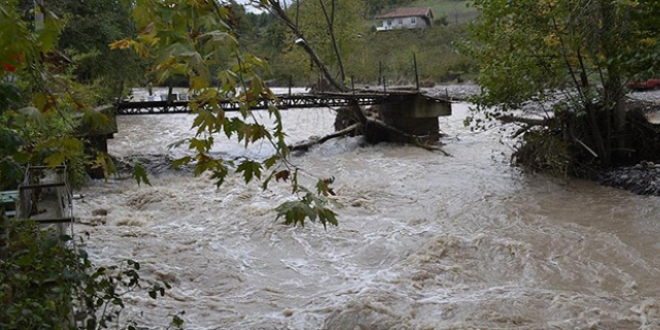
pixel 47 283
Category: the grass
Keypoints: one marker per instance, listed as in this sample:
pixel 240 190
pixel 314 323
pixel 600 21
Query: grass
pixel 455 10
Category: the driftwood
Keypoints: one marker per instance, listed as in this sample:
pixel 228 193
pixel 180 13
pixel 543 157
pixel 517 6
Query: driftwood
pixel 369 126
pixel 523 120
pixel 305 146
pixel 409 138
pixel 528 122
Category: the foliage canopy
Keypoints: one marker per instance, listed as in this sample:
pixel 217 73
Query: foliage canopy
pixel 583 51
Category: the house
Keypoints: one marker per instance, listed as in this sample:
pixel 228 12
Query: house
pixel 405 18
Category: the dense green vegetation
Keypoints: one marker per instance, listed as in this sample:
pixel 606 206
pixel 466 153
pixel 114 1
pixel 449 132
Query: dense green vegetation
pixel 585 51
pixel 91 26
pixel 47 283
pixel 363 50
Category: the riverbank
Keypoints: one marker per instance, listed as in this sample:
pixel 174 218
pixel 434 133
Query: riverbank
pixel 642 178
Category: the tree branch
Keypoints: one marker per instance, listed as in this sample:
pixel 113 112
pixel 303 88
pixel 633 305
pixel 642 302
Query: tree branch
pixel 278 11
pixel 305 146
pixel 330 20
pixel 528 121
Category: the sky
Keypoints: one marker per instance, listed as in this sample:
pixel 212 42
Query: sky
pixel 250 9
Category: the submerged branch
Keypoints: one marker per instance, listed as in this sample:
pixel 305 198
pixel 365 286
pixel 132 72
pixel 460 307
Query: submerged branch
pixel 365 126
pixel 524 120
pixel 342 133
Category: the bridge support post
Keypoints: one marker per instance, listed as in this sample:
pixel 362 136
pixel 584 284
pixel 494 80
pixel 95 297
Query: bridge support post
pixel 417 116
pixel 97 138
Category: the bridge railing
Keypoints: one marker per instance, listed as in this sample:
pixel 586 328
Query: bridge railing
pixel 281 102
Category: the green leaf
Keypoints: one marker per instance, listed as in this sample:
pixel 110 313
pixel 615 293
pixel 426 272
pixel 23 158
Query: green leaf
pixel 33 114
pixel 181 161
pixel 250 170
pixel 205 121
pixel 323 187
pixel 59 150
pixel 219 175
pixel 140 175
pixel 327 216
pixel 271 161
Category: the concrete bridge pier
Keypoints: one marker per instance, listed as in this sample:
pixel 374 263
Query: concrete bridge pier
pixel 418 117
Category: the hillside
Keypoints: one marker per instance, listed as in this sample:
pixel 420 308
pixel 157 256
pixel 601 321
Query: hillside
pixel 456 11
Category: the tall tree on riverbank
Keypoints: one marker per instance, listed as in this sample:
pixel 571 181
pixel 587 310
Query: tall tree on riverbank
pixel 91 26
pixel 587 50
pixel 324 29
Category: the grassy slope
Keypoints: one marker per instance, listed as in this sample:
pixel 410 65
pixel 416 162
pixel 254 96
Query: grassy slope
pixel 435 50
pixel 454 10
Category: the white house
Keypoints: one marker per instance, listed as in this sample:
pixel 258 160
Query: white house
pixel 405 18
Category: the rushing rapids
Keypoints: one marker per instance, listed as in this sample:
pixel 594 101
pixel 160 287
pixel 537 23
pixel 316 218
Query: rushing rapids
pixel 425 241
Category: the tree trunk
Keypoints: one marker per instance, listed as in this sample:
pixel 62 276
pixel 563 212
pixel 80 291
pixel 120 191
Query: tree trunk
pixel 281 14
pixel 330 20
pixel 613 89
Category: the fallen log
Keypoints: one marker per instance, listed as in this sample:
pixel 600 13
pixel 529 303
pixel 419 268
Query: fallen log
pixel 371 126
pixel 409 138
pixel 353 120
pixel 524 120
pixel 306 145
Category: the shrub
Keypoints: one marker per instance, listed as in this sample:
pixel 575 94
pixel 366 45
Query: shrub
pixel 48 283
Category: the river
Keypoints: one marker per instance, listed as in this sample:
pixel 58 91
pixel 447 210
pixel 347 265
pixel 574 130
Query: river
pixel 424 242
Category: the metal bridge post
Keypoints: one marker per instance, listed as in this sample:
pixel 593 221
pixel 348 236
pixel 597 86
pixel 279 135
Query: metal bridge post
pixel 380 72
pixel 416 74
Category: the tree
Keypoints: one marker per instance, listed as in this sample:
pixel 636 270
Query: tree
pixel 197 39
pixel 90 28
pixel 45 281
pixel 312 35
pixel 584 50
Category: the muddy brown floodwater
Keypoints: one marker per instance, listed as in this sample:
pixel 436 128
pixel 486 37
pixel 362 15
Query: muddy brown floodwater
pixel 424 241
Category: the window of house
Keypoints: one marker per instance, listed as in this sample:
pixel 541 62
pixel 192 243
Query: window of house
pixel 412 20
pixel 389 22
pixel 400 21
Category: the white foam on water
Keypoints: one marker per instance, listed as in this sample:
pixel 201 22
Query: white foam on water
pixel 425 241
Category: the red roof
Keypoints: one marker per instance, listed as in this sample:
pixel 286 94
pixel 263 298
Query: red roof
pixel 407 12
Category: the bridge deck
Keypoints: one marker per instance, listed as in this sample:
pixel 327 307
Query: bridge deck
pixel 282 102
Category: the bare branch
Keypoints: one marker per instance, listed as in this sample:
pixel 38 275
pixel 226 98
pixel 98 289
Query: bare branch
pixel 330 20
pixel 346 131
pixel 278 11
pixel 528 121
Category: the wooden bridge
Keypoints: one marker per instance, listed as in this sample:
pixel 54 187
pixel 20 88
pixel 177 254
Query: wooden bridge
pixel 172 105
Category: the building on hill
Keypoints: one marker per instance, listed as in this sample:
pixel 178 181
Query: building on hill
pixel 405 18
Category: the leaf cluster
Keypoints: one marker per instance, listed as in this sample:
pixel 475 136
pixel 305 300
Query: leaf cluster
pixel 42 107
pixel 198 40
pixel 48 283
pixel 576 56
